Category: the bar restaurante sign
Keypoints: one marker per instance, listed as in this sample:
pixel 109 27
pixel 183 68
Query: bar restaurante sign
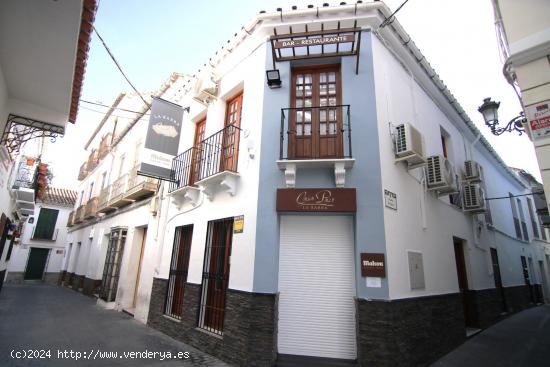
pixel 314 41
pixel 317 200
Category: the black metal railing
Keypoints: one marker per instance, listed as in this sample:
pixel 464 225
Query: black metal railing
pixel 315 132
pixel 26 176
pixel 177 277
pixel 217 153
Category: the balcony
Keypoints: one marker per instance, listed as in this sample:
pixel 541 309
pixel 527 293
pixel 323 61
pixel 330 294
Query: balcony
pixel 25 186
pixel 70 219
pixel 104 146
pixel 315 137
pixel 93 161
pixel 103 201
pixel 118 191
pixel 209 166
pixel 90 210
pixel 139 187
pixel 79 215
pixel 83 171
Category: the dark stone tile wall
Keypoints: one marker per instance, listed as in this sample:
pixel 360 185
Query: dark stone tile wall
pixel 77 282
pixel 62 277
pixel 248 338
pixel 51 278
pixel 486 306
pixel 408 332
pixel 518 298
pixel 90 286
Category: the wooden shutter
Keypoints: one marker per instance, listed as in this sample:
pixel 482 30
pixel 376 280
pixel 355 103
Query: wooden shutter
pixel 46 224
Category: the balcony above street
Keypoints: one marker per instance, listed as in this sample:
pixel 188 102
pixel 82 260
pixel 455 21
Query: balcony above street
pixel 139 187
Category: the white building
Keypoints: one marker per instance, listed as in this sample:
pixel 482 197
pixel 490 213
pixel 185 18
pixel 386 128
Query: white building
pixel 114 225
pixel 38 255
pixel 41 71
pixel 343 214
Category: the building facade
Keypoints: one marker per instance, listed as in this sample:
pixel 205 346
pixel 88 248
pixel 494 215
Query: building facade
pixel 39 252
pixel 352 213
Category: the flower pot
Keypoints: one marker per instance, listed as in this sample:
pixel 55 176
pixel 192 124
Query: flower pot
pixel 30 161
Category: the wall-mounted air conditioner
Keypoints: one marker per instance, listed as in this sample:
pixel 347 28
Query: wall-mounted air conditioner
pixel 473 172
pixel 473 198
pixel 441 175
pixel 206 88
pixel 409 145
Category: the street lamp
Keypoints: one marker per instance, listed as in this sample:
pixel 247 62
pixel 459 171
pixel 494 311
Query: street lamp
pixel 489 110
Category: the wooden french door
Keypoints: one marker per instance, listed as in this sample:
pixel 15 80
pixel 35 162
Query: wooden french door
pixel 216 274
pixel 198 152
pixel 463 281
pixel 179 267
pixel 231 133
pixel 316 114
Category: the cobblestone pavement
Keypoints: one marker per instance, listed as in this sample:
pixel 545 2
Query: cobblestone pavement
pixel 48 322
pixel 522 340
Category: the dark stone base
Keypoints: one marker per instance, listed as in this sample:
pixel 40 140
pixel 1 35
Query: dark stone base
pixel 2 275
pixel 249 326
pixel 409 332
pixel 519 298
pixel 62 277
pixel 77 282
pixel 91 286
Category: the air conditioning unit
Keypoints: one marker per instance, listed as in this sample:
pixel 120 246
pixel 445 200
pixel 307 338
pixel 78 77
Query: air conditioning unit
pixel 473 198
pixel 473 172
pixel 409 145
pixel 206 88
pixel 441 175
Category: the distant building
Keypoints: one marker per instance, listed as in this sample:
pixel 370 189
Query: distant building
pixel 38 254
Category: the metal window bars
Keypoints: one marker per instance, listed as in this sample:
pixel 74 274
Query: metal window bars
pixel 113 260
pixel 179 267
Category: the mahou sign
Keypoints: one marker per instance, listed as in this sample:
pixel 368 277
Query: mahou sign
pixel 373 265
pixel 316 200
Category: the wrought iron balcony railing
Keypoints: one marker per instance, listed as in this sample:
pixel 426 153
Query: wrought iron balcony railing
pixel 217 153
pixel 70 219
pixel 139 186
pixel 83 171
pixel 118 190
pixel 104 146
pixel 103 200
pixel 315 132
pixel 79 215
pixel 90 210
pixel 26 176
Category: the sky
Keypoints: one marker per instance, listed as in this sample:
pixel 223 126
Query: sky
pixel 152 39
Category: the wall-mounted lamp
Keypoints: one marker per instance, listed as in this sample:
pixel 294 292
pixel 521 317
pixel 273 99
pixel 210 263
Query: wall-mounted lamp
pixel 489 110
pixel 273 78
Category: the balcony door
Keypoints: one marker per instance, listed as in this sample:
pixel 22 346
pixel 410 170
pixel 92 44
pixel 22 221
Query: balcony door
pixel 316 115
pixel 230 145
pixel 198 152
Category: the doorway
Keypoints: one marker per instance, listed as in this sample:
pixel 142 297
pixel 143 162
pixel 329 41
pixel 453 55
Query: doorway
pixel 111 270
pixel 140 261
pixel 463 281
pixel 36 264
pixel 498 278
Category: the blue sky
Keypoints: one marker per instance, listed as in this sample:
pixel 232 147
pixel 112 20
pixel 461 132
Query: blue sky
pixel 152 39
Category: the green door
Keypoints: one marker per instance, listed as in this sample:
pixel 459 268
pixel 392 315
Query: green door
pixel 36 263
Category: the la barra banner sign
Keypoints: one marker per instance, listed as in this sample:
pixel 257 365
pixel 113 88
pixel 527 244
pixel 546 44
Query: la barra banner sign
pixel 162 141
pixel 317 200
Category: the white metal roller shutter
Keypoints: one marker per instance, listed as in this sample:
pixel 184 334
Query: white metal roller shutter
pixel 317 287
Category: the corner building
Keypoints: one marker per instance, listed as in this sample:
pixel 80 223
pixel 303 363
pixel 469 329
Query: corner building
pixel 340 217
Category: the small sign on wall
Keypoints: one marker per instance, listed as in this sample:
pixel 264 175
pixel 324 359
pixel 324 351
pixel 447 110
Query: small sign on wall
pixel 539 119
pixel 238 224
pixel 373 265
pixel 390 199
pixel 59 252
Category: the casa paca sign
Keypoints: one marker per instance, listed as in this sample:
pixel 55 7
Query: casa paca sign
pixel 317 200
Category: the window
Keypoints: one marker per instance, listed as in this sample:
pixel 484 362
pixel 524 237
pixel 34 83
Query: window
pixel 91 191
pixel 111 270
pixel 198 152
pixel 533 217
pixel 121 166
pixel 517 226
pixel 103 180
pixel 45 226
pixel 179 267
pixel 522 218
pixel 215 275
pixel 81 198
pixel 231 134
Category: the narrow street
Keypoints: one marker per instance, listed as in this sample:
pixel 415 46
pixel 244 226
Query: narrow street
pixel 521 340
pixel 48 323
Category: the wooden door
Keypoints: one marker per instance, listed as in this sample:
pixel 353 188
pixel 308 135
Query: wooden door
pixel 463 281
pixel 498 278
pixel 179 268
pixel 198 152
pixel 36 263
pixel 315 123
pixel 217 274
pixel 231 133
pixel 138 275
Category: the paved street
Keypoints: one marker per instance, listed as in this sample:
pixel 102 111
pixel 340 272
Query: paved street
pixel 41 318
pixel 521 340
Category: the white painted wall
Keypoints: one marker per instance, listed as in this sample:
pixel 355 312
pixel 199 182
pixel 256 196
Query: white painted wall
pixel 402 98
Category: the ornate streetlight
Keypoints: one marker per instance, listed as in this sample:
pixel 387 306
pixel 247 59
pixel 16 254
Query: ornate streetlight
pixel 489 110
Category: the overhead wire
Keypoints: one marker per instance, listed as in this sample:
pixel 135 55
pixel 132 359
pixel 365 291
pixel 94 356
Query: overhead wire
pixel 115 108
pixel 391 18
pixel 515 196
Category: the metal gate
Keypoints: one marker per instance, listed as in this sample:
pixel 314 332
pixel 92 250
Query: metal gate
pixel 111 270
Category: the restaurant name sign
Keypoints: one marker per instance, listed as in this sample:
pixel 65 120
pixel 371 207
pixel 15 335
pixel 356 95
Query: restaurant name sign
pixel 318 41
pixel 316 200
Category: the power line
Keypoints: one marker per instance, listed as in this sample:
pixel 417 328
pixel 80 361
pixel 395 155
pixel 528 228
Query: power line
pixel 119 68
pixel 104 105
pixel 112 114
pixel 515 196
pixel 389 19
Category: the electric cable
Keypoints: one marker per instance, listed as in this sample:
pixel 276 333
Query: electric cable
pixel 389 19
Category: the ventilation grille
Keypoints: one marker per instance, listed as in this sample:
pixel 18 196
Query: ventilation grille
pixel 434 170
pixel 400 139
pixel 474 198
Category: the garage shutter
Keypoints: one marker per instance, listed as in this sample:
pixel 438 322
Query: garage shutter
pixel 317 287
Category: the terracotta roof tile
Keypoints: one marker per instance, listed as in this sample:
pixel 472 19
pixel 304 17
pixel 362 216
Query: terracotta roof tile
pixel 58 196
